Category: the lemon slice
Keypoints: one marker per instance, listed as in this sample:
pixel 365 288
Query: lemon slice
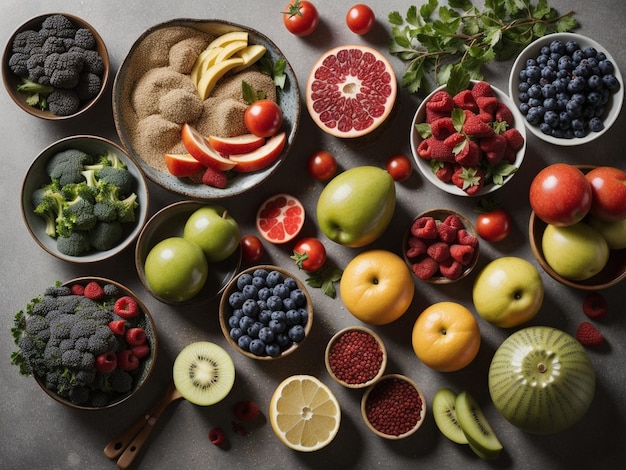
pixel 304 413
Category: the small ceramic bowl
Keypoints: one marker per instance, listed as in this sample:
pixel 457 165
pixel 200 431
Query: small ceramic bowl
pixel 424 165
pixel 532 51
pixel 413 250
pixel 356 357
pixel 169 222
pixel 11 80
pixel 36 177
pixel 613 273
pixel 379 406
pixel 146 365
pixel 269 314
pixel 149 158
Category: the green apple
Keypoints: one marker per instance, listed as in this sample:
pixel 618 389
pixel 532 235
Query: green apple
pixel 214 230
pixel 576 252
pixel 176 269
pixel 356 206
pixel 613 232
pixel 508 292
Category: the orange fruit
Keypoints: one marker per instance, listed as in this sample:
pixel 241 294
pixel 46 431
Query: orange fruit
pixel 446 336
pixel 304 413
pixel 377 287
pixel 280 218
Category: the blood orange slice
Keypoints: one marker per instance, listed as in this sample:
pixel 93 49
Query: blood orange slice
pixel 280 218
pixel 351 91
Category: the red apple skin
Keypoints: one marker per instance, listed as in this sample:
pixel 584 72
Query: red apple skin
pixel 560 195
pixel 261 157
pixel 236 145
pixel 608 188
pixel 200 149
pixel 182 165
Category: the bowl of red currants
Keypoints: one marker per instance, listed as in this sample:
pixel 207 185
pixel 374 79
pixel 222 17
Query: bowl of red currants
pixel 568 88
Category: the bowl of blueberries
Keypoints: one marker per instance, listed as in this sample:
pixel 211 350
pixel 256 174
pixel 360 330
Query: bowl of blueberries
pixel 265 312
pixel 568 87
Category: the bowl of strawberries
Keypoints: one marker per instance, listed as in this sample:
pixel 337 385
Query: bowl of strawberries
pixel 468 142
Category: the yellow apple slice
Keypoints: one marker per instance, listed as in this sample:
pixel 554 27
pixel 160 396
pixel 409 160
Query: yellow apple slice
pixel 214 73
pixel 230 49
pixel 250 55
pixel 204 61
pixel 225 38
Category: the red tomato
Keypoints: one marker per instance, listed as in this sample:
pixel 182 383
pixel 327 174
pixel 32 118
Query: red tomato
pixel 301 17
pixel 360 19
pixel 494 226
pixel 399 167
pixel 309 254
pixel 322 165
pixel 251 249
pixel 263 118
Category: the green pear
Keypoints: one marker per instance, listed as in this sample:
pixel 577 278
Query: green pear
pixel 576 252
pixel 613 232
pixel 356 206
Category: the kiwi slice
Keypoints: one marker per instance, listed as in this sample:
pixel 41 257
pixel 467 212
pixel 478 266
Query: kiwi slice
pixel 444 413
pixel 204 373
pixel 480 436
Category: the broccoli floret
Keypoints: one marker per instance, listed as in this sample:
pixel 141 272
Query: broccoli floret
pixel 18 64
pixel 53 45
pixel 102 341
pixel 38 93
pixel 63 102
pixel 71 358
pixel 36 70
pixel 106 235
pixel 105 212
pixel 74 245
pixel 77 215
pixel 64 68
pixel 48 203
pixel 120 177
pixel 83 329
pixel 110 194
pixel 26 40
pixel 79 395
pixel 120 381
pixel 109 158
pixel 89 85
pixel 66 166
pixel 84 39
pixel 59 26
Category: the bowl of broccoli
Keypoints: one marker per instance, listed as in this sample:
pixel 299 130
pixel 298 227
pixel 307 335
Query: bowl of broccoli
pixel 90 343
pixel 83 199
pixel 55 66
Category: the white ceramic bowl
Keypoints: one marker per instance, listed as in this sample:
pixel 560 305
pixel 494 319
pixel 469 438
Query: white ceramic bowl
pixel 612 109
pixel 36 177
pixel 424 165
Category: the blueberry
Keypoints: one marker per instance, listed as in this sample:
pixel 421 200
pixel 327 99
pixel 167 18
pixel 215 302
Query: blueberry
pixel 265 316
pixel 545 128
pixel 283 340
pixel 237 313
pixel 596 124
pixel 304 316
pixel 264 293
pixel 257 347
pixel 281 290
pixel 571 47
pixel 574 109
pixel 254 329
pixel 606 67
pixel 277 325
pixel 577 124
pixel 250 308
pixel 246 322
pixel 533 74
pixel 236 299
pixel 590 52
pixel 260 273
pixel 266 335
pixel 293 317
pixel 244 342
pixel 279 315
pixel 258 282
pixel 298 297
pixel 243 280
pixel 236 333
pixel 296 333
pixel 273 278
pixel 523 108
pixel 557 46
pixel 289 304
pixel 233 322
pixel 272 349
pixel 534 91
pixel 610 82
pixel 533 116
pixel 523 87
pixel 551 118
pixel 262 305
pixel 550 104
pixel 291 283
pixel 274 303
pixel 594 99
pixel 578 56
pixel 577 84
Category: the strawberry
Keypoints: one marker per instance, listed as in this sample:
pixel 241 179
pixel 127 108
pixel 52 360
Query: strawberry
pixel 246 410
pixel 476 127
pixel 465 100
pixel 217 436
pixel 469 179
pixel 424 228
pixel 469 156
pixel 441 101
pixel 595 306
pixel 493 147
pixel 118 327
pixel 442 128
pixel 106 362
pixel 126 360
pixel 77 289
pixel 425 268
pixel 214 178
pixel 482 89
pixel 94 291
pixel 126 307
pixel 588 335
pixel 135 336
pixel 439 251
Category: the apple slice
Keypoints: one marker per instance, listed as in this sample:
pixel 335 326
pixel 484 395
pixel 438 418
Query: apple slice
pixel 182 164
pixel 205 60
pixel 250 55
pixel 210 77
pixel 225 38
pixel 236 145
pixel 200 149
pixel 261 157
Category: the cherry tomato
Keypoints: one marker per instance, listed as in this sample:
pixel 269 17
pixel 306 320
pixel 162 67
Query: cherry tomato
pixel 399 167
pixel 360 19
pixel 494 225
pixel 251 249
pixel 301 17
pixel 263 118
pixel 309 254
pixel 322 165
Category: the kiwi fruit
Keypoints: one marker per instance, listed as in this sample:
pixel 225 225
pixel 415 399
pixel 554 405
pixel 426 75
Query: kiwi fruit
pixel 480 436
pixel 204 373
pixel 444 413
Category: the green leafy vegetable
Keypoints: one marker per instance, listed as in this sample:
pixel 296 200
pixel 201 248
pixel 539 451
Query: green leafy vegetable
pixel 325 279
pixel 452 42
pixel 276 70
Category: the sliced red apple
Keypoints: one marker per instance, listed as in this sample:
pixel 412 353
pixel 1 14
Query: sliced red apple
pixel 200 149
pixel 261 157
pixel 182 164
pixel 236 145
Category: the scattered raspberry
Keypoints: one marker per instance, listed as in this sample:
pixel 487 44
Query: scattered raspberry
pixel 126 360
pixel 126 307
pixel 588 335
pixel 135 336
pixel 77 289
pixel 439 251
pixel 465 100
pixel 462 253
pixel 441 101
pixel 432 115
pixel 214 178
pixel 246 410
pixel 425 268
pixel 595 306
pixel 442 128
pixel 416 248
pixel 217 436
pixel 482 89
pixel 106 362
pixel 118 326
pixel 451 268
pixel 453 220
pixel 424 228
pixel 93 291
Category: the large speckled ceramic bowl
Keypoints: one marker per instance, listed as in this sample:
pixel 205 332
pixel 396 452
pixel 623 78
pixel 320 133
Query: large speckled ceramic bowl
pixel 288 98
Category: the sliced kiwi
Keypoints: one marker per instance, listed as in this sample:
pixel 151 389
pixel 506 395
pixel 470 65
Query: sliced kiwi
pixel 480 436
pixel 204 373
pixel 445 416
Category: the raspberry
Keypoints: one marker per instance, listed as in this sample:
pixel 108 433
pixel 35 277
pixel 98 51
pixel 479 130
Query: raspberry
pixel 441 101
pixel 454 139
pixel 482 89
pixel 487 104
pixel 214 178
pixel 432 115
pixel 424 228
pixel 462 253
pixel 446 233
pixel 246 410
pixel 466 238
pixel 465 100
pixel 425 268
pixel 476 127
pixel 432 148
pixel 126 360
pixel 493 147
pixel 126 307
pixel 217 436
pixel 442 128
pixel 453 220
pixel 118 326
pixel 469 155
pixel 588 335
pixel 595 306
pixel 93 291
pixel 135 336
pixel 77 289
pixel 514 138
pixel 504 114
pixel 106 362
pixel 141 351
pixel 469 179
pixel 451 268
pixel 417 247
pixel 445 171
pixel 439 251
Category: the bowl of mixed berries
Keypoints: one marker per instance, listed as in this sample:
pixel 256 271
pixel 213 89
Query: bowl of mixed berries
pixel 468 142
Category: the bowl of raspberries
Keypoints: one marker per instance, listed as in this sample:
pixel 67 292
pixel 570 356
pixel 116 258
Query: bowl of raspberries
pixel 468 142
pixel 265 312
pixel 441 246
pixel 568 88
pixel 55 66
pixel 90 342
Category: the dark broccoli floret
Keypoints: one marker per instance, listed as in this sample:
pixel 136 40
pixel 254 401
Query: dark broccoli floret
pixel 102 341
pixel 64 69
pixel 71 358
pixel 53 45
pixel 89 85
pixel 66 166
pixel 120 381
pixel 63 102
pixel 74 245
pixel 79 395
pixel 106 235
pixel 25 41
pixel 120 177
pixel 18 64
pixel 59 26
pixel 84 39
pixel 36 69
pixel 83 329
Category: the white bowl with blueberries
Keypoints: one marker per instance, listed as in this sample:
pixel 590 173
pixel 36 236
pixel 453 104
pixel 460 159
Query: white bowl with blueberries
pixel 568 87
